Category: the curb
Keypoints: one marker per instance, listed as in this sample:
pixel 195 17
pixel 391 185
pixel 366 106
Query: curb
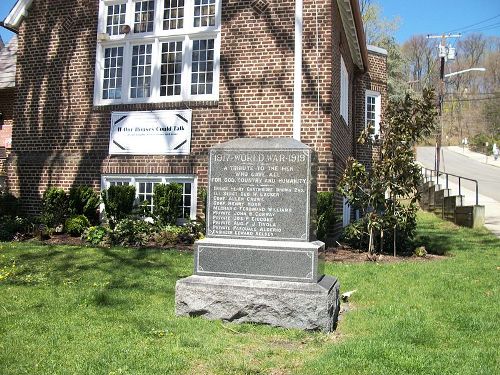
pixel 467 154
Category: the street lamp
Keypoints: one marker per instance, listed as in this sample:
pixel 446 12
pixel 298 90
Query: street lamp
pixel 464 71
pixel 441 99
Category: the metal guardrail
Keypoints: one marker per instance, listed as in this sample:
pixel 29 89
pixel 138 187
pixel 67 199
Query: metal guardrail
pixel 431 173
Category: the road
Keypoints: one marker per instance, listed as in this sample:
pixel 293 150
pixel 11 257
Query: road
pixel 488 176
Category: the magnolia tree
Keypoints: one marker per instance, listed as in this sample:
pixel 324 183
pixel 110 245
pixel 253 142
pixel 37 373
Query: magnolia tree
pixel 386 195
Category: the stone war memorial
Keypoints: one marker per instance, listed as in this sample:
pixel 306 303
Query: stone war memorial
pixel 259 261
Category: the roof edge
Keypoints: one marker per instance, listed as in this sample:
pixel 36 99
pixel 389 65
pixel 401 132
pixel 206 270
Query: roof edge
pixel 358 20
pixel 16 15
pixel 379 50
pixel 352 23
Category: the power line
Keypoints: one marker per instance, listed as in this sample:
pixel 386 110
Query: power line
pixel 474 24
pixel 484 28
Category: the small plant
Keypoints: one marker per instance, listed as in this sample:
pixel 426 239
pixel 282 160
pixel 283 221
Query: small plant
pixel 420 252
pixel 76 225
pixel 9 205
pixel 118 203
pixel 83 200
pixel 54 207
pixel 326 215
pixel 132 232
pixel 97 236
pixel 167 203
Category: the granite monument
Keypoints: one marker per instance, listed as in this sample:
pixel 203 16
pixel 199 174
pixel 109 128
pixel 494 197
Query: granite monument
pixel 259 261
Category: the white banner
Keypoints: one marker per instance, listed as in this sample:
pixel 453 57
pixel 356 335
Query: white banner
pixel 150 133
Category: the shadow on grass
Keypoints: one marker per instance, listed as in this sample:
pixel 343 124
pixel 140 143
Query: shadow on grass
pixel 115 268
pixel 440 237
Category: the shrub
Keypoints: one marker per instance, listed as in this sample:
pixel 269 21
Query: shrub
pixel 54 207
pixel 118 203
pixel 132 232
pixel 325 215
pixel 356 234
pixel 76 225
pixel 97 236
pixel 12 227
pixel 202 197
pixel 83 200
pixel 167 203
pixel 169 235
pixel 9 205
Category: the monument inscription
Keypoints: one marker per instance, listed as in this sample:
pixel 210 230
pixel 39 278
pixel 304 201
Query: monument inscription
pixel 259 194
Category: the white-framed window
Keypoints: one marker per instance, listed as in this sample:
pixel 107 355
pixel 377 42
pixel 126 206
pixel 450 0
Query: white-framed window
pixel 157 51
pixel 344 91
pixel 373 109
pixel 144 188
pixel 346 213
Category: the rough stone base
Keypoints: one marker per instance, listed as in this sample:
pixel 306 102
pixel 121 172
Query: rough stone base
pixel 307 306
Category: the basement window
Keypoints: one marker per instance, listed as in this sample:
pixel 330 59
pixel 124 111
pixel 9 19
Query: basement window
pixel 144 188
pixel 170 53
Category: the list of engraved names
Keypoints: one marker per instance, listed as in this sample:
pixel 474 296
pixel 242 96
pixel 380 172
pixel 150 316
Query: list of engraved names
pixel 259 194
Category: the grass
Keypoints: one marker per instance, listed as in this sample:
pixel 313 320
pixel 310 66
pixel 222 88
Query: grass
pixel 111 311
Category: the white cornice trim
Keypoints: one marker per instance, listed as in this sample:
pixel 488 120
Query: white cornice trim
pixel 346 13
pixel 15 16
pixel 376 49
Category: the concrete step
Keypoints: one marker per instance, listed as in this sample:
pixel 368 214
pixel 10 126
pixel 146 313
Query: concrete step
pixel 450 203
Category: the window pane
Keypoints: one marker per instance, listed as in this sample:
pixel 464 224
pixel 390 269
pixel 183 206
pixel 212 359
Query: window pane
pixel 115 19
pixel 144 16
pixel 140 85
pixel 173 14
pixel 112 81
pixel 146 194
pixel 204 13
pixel 186 201
pixel 202 66
pixel 171 68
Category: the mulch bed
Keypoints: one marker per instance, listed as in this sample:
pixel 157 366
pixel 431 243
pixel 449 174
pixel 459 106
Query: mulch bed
pixel 339 254
pixel 345 254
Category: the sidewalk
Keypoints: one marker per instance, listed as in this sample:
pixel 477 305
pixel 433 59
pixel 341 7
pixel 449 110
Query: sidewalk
pixel 475 155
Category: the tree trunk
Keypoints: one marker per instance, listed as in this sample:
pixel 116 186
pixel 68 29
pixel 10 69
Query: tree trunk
pixel 394 244
pixel 381 240
pixel 370 244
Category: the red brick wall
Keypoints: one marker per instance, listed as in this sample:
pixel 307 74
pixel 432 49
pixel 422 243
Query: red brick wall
pixel 375 80
pixel 60 138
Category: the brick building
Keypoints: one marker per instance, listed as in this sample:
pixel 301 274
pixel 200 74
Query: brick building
pixel 92 72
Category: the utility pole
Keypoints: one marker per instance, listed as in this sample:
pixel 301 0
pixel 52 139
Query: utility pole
pixel 445 53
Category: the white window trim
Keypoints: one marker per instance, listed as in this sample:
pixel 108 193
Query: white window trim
pixel 344 91
pixel 378 109
pixel 346 212
pixel 164 179
pixel 186 34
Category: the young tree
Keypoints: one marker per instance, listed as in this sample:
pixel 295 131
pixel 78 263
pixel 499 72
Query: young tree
pixel 378 193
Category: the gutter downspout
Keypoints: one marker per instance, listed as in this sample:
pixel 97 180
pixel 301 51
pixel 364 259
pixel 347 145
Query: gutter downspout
pixel 297 82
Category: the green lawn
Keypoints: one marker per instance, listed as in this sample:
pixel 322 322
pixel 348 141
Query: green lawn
pixel 72 310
